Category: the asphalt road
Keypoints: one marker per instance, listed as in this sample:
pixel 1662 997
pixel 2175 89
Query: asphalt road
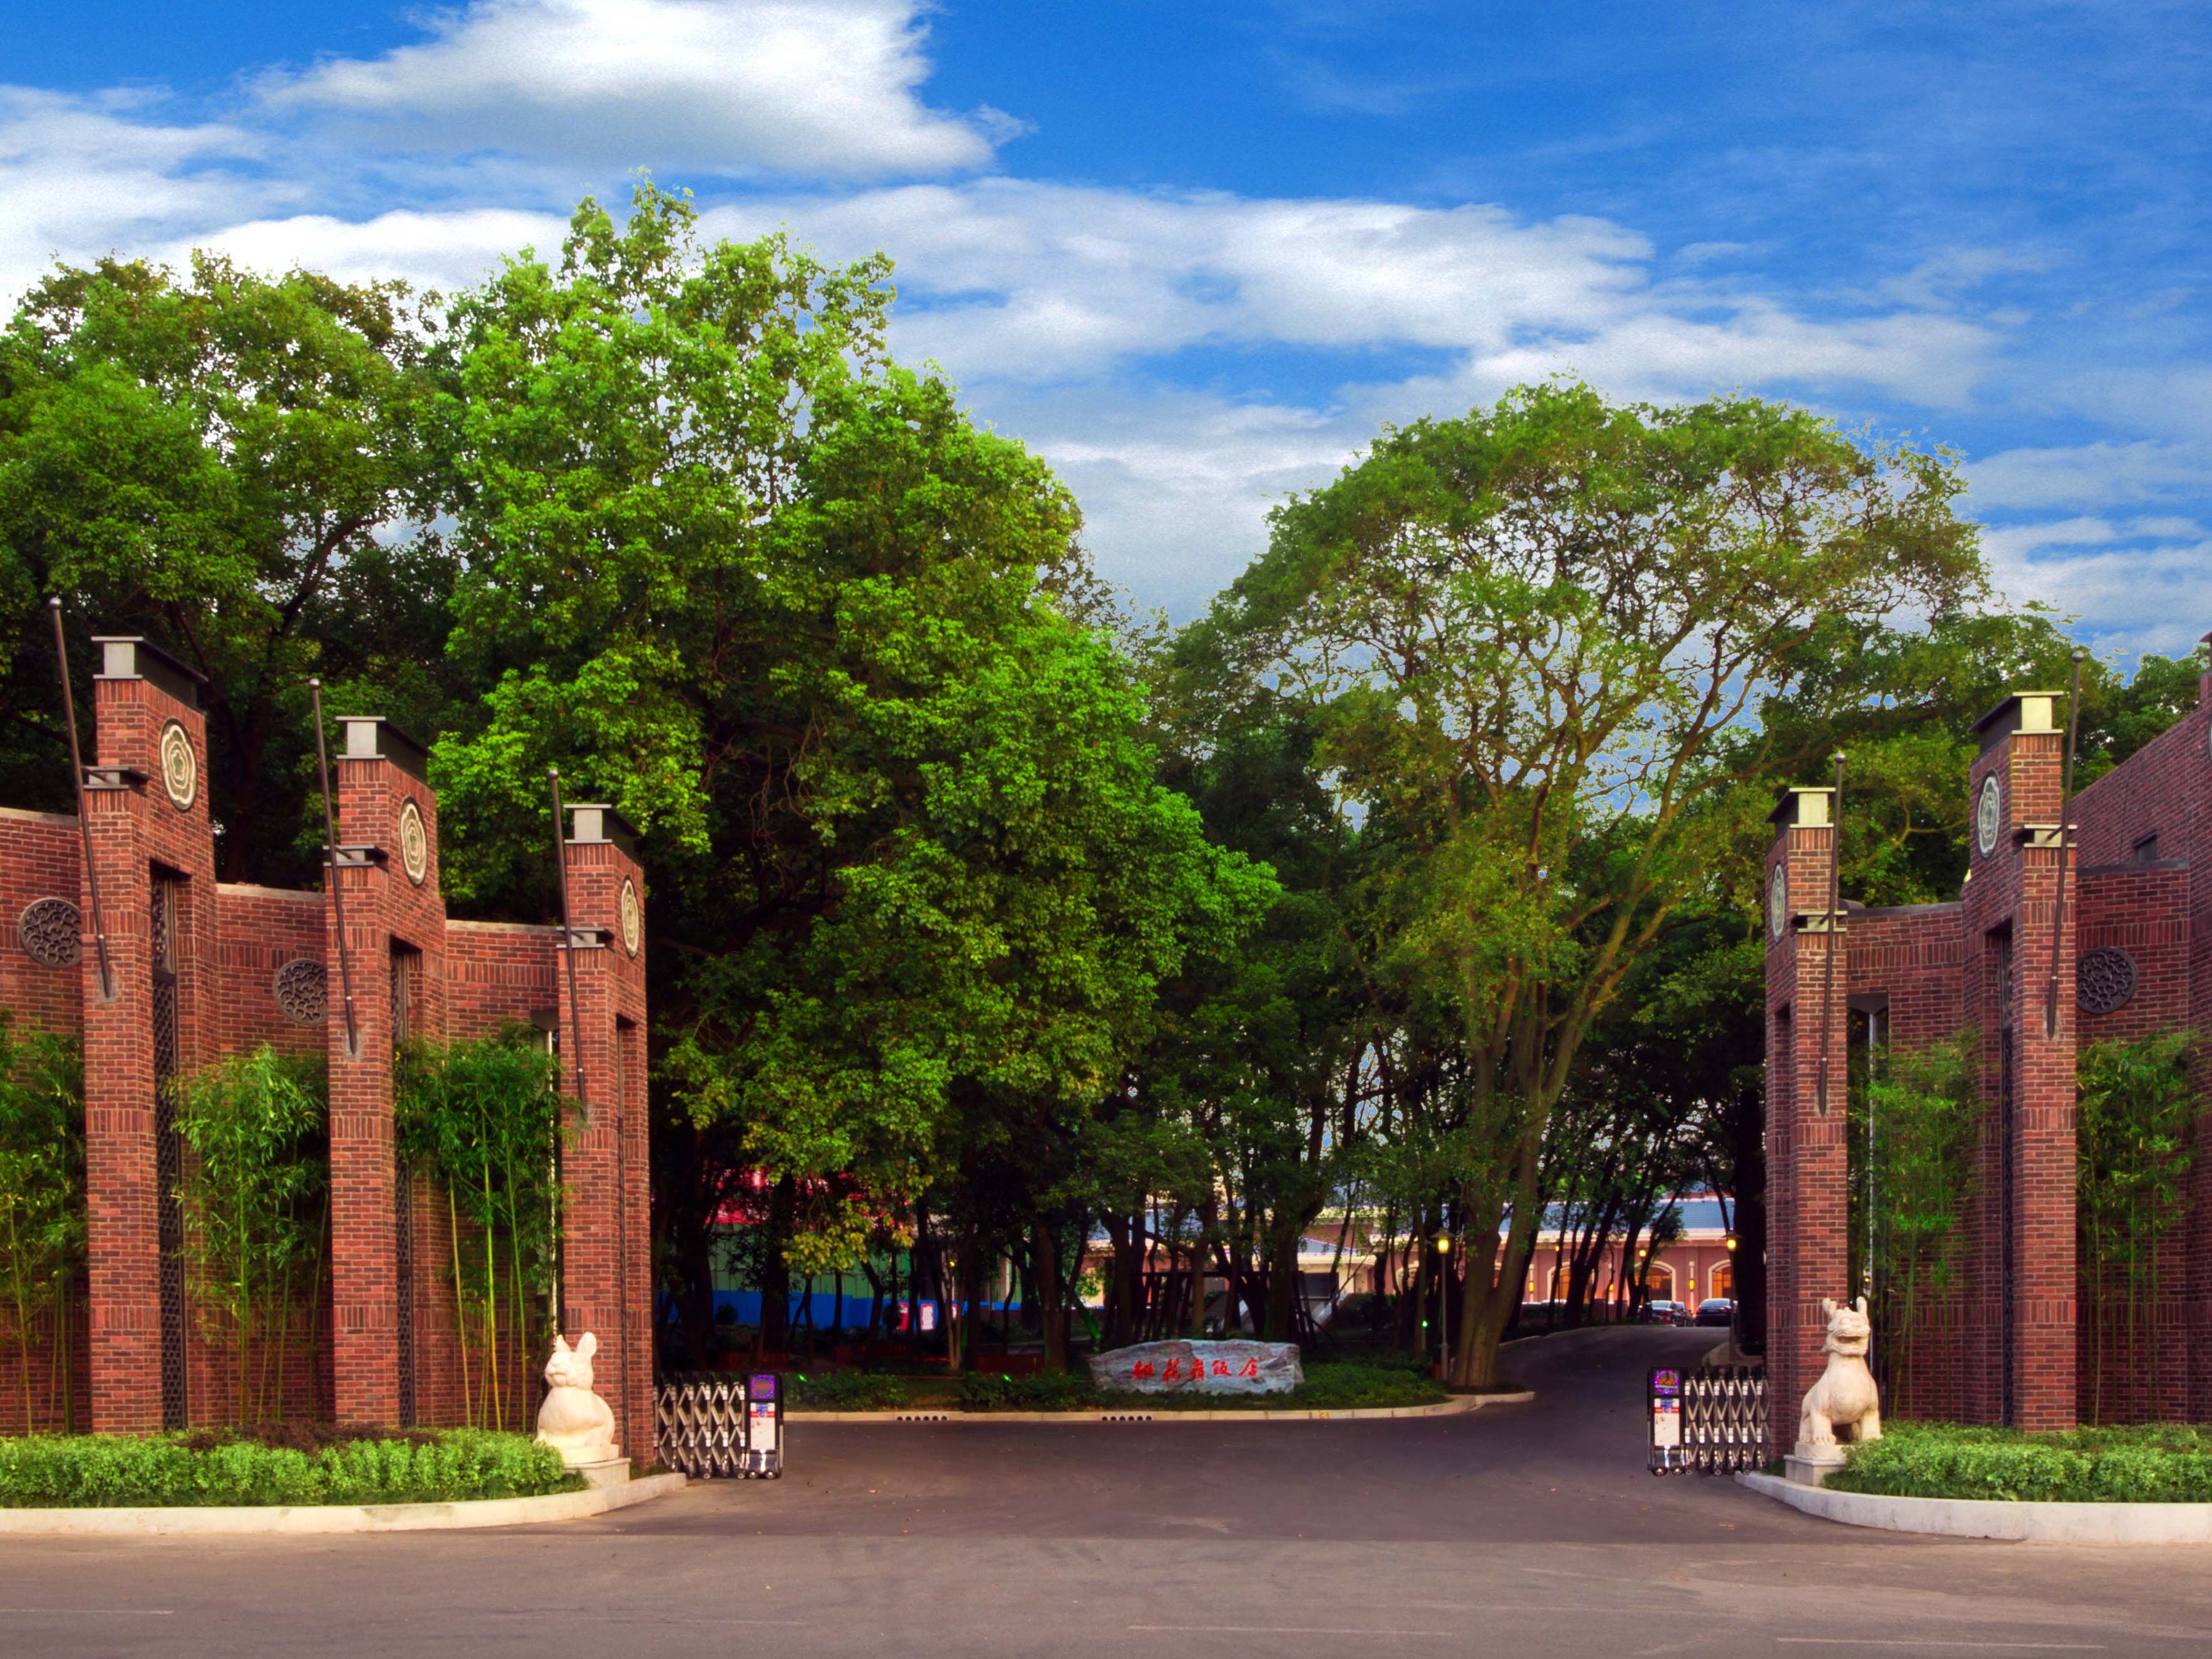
pixel 1521 1530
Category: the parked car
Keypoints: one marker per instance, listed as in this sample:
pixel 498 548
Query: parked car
pixel 1716 1310
pixel 1660 1312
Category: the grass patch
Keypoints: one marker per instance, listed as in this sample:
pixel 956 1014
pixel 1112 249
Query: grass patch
pixel 169 1471
pixel 2159 1463
pixel 847 1391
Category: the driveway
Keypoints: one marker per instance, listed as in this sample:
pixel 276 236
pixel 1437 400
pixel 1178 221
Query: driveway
pixel 1520 1530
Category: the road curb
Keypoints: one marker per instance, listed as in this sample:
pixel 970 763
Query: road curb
pixel 1982 1518
pixel 325 1518
pixel 1455 1406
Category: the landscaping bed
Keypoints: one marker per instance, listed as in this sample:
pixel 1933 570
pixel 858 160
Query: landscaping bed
pixel 1330 1385
pixel 2159 1463
pixel 294 1466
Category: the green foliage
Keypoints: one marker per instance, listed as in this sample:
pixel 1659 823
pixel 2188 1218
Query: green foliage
pixel 255 1200
pixel 1491 618
pixel 2133 1151
pixel 479 1117
pixel 848 1391
pixel 2161 1464
pixel 798 616
pixel 1922 1108
pixel 229 464
pixel 42 1216
pixel 163 1471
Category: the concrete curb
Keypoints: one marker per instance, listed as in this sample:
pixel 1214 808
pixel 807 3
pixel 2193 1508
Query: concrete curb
pixel 336 1517
pixel 1982 1518
pixel 1457 1406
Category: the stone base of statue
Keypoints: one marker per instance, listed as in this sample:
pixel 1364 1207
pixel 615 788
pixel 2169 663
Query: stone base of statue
pixel 1808 1465
pixel 607 1472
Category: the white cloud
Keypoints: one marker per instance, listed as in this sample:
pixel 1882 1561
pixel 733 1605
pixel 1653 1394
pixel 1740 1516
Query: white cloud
pixel 2091 475
pixel 86 176
pixel 2142 584
pixel 815 88
pixel 443 251
pixel 1015 280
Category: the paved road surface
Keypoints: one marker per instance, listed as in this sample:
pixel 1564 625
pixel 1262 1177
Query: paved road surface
pixel 1522 1531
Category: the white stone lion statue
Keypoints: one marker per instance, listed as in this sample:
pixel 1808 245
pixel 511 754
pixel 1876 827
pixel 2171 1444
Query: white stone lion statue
pixel 1845 1397
pixel 575 1421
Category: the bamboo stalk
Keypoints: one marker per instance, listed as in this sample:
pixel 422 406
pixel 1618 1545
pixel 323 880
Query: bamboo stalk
pixel 460 1317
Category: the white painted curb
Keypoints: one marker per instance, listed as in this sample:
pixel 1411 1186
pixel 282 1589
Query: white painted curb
pixel 337 1518
pixel 1983 1517
pixel 1454 1406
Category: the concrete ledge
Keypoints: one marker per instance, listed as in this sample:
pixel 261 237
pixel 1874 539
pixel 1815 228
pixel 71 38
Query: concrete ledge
pixel 335 1517
pixel 1983 1517
pixel 1455 1406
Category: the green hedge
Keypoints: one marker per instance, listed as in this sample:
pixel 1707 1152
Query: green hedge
pixel 163 1471
pixel 2163 1463
pixel 846 1391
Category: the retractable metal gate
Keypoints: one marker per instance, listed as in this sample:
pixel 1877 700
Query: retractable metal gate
pixel 721 1425
pixel 1712 1420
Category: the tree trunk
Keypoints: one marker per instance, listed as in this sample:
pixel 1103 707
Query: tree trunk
pixel 1280 1322
pixel 776 1268
pixel 1044 1251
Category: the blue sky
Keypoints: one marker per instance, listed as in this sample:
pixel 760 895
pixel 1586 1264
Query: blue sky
pixel 1196 254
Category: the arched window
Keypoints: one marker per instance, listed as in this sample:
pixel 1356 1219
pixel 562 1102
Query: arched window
pixel 1662 1281
pixel 1724 1279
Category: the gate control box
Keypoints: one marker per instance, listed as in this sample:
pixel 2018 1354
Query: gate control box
pixel 1667 1454
pixel 763 1453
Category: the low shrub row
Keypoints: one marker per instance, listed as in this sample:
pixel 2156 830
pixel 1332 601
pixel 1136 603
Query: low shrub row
pixel 1330 1385
pixel 167 1471
pixel 2163 1463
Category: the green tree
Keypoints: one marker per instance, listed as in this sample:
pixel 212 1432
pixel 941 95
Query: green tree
pixel 229 464
pixel 785 605
pixel 1541 638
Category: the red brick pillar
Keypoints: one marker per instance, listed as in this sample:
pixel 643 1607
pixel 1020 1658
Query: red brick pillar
pixel 2020 1299
pixel 606 1259
pixel 387 865
pixel 148 813
pixel 1808 1198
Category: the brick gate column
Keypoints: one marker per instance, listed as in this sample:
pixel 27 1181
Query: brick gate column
pixel 387 862
pixel 148 810
pixel 606 1260
pixel 2021 1245
pixel 1808 1181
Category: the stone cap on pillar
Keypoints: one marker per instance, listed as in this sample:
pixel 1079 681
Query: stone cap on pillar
pixel 1802 808
pixel 372 736
pixel 2022 711
pixel 597 821
pixel 133 657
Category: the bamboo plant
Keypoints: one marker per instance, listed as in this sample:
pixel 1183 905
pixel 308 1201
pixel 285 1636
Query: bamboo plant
pixel 255 1194
pixel 1914 1118
pixel 2133 1154
pixel 479 1118
pixel 42 1209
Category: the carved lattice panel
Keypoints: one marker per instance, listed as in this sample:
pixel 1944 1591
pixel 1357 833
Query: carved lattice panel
pixel 2104 980
pixel 51 932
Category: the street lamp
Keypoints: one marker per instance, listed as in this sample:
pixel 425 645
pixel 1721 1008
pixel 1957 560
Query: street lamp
pixel 1443 1294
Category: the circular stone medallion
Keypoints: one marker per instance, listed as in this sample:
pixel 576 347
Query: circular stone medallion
pixel 2104 980
pixel 1777 901
pixel 302 990
pixel 413 844
pixel 180 768
pixel 632 917
pixel 51 932
pixel 1989 816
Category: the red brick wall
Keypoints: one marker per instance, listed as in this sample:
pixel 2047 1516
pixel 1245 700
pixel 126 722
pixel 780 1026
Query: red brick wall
pixel 468 980
pixel 1807 1201
pixel 40 858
